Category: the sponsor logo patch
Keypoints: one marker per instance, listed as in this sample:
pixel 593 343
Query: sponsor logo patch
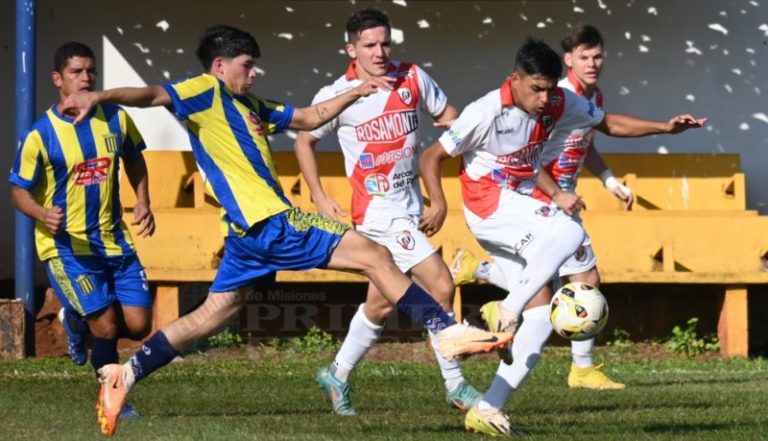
pixel 376 184
pixel 406 240
pixel 92 171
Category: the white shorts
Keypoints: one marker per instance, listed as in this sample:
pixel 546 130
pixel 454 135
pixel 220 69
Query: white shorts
pixel 399 232
pixel 515 225
pixel 583 259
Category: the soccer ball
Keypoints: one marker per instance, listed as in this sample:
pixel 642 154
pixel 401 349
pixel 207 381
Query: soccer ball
pixel 578 311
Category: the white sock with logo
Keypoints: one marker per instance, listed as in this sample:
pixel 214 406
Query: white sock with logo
pixel 581 352
pixel 359 340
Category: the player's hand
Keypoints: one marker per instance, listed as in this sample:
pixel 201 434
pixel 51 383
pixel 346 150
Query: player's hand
pixel 330 208
pixel 53 218
pixel 569 202
pixel 681 123
pixel 143 217
pixel 79 104
pixel 443 124
pixel 433 219
pixel 373 84
pixel 625 194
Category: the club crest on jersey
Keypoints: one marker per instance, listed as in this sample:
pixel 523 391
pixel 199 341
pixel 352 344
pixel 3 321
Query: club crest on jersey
pixel 256 123
pixel 92 171
pixel 406 240
pixel 110 140
pixel 545 211
pixel 405 95
pixel 376 184
pixel 367 161
pixel 581 254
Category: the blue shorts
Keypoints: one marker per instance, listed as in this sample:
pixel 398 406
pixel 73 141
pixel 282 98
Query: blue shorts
pixel 292 240
pixel 88 284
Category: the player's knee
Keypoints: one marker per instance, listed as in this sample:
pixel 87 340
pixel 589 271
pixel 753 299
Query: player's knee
pixel 378 258
pixel 139 329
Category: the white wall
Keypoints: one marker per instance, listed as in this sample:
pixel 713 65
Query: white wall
pixel 664 58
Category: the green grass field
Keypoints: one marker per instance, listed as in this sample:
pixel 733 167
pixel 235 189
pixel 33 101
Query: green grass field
pixel 270 394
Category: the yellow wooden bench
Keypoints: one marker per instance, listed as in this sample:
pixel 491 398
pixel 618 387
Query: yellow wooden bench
pixel 690 226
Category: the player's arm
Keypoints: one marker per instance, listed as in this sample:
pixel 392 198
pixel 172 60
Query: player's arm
pixel 80 104
pixel 569 202
pixel 596 165
pixel 431 173
pixel 314 116
pixel 305 147
pixel 24 201
pixel 136 170
pixel 628 126
pixel 445 119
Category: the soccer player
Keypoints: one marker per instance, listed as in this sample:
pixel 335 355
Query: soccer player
pixel 562 159
pixel 378 137
pixel 65 176
pixel 500 137
pixel 228 129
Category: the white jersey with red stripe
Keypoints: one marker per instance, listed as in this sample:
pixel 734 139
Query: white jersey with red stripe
pixel 378 136
pixel 500 144
pixel 564 154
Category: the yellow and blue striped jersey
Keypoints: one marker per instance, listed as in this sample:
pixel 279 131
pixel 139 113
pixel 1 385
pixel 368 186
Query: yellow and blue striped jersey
pixel 75 167
pixel 228 134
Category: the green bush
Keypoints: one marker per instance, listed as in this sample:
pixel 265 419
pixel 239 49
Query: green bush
pixel 687 341
pixel 225 339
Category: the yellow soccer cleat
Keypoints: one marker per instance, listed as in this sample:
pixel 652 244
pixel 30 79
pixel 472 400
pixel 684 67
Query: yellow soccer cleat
pixel 499 319
pixel 116 380
pixel 591 377
pixel 491 422
pixel 463 267
pixel 461 340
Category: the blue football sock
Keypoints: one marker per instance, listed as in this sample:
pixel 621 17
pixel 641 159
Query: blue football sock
pixel 422 308
pixel 103 352
pixel 154 354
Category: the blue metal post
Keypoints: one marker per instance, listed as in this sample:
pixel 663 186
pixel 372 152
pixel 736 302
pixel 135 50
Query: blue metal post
pixel 25 114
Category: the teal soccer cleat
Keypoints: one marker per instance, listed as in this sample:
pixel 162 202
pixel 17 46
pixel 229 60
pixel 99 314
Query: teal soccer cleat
pixel 337 391
pixel 463 397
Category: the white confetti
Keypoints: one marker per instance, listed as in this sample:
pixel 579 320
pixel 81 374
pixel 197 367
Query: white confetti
pixel 427 64
pixel 315 70
pixel 166 75
pixel 601 4
pixel 718 27
pixel 328 25
pixel 743 126
pixel 723 14
pixel 342 52
pixel 754 3
pixel 757 90
pixel 120 30
pixel 179 51
pixel 760 117
pixel 400 3
pixel 736 71
pixel 541 24
pixel 645 38
pixel 549 20
pixel 289 9
pixel 628 35
pixel 144 50
pixel 652 10
pixel 523 17
pixel 487 20
pixel 726 52
pixel 728 88
pixel 149 62
pixel 259 71
pixel 642 48
pixel 691 48
pixel 423 24
pixel 690 98
pixel 662 150
pixel 291 134
pixel 162 24
pixel 750 50
pixel 398 37
pixel 578 10
pixel 764 27
pixel 328 74
pixel 286 35
pixel 623 91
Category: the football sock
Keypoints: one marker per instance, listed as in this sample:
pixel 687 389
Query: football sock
pixel 103 352
pixel 154 354
pixel 526 351
pixel 581 351
pixel 422 308
pixel 450 370
pixel 544 256
pixel 360 338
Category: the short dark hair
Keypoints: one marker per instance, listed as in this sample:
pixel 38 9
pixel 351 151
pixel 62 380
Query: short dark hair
pixel 225 41
pixel 581 34
pixel 536 58
pixel 68 50
pixel 365 19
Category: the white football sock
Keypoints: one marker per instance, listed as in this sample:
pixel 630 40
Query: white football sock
pixel 451 370
pixel 360 338
pixel 526 351
pixel 581 352
pixel 543 258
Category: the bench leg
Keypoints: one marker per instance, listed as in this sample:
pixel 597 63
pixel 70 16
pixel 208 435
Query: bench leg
pixel 733 328
pixel 166 305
